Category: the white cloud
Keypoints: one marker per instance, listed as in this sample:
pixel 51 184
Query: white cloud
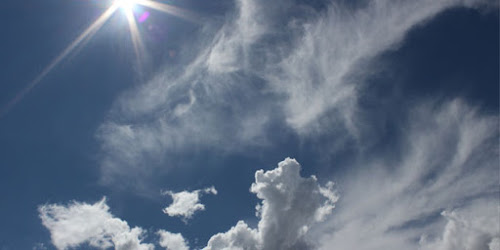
pixel 238 237
pixel 172 241
pixel 439 190
pixel 471 227
pixel 81 223
pixel 290 205
pixel 265 64
pixel 448 162
pixel 186 203
pixel 449 156
pixel 326 68
pixel 231 46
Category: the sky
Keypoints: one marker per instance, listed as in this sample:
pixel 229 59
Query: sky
pixel 249 124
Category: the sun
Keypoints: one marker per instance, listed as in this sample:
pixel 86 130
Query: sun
pixel 128 8
pixel 127 5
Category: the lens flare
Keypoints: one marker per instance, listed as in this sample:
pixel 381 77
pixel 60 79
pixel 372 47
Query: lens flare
pixel 144 17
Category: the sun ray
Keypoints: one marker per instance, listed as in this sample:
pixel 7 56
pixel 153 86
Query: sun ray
pixel 172 10
pixel 136 39
pixel 127 6
pixel 83 37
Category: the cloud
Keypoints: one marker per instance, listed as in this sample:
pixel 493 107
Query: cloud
pixel 438 189
pixel 230 48
pixel 80 223
pixel 172 241
pixel 447 161
pixel 185 203
pixel 265 66
pixel 290 205
pixel 322 74
pixel 470 227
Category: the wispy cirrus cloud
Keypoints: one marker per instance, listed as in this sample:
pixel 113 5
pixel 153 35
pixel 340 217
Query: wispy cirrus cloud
pixel 436 188
pixel 441 192
pixel 448 162
pixel 265 67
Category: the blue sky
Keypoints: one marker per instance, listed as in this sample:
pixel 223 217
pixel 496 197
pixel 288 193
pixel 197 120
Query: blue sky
pixel 251 124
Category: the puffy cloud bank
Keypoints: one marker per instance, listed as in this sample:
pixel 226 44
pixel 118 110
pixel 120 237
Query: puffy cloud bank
pixel 441 193
pixel 81 223
pixel 290 205
pixel 172 241
pixel 186 203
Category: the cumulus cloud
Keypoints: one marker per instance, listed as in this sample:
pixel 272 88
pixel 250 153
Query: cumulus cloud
pixel 471 227
pixel 172 241
pixel 245 78
pixel 440 189
pixel 290 205
pixel 186 203
pixel 437 190
pixel 80 223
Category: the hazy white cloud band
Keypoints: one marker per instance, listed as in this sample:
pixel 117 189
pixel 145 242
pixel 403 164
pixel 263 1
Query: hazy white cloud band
pixel 441 192
pixel 447 173
pixel 241 81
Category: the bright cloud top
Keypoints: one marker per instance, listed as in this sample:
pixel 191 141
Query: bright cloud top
pixel 452 210
pixel 186 203
pixel 470 227
pixel 81 223
pixel 290 205
pixel 172 241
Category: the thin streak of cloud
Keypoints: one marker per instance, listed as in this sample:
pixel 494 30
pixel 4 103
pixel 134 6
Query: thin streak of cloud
pixel 449 162
pixel 244 80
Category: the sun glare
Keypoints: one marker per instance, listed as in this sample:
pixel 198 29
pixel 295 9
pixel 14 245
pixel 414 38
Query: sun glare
pixel 126 5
